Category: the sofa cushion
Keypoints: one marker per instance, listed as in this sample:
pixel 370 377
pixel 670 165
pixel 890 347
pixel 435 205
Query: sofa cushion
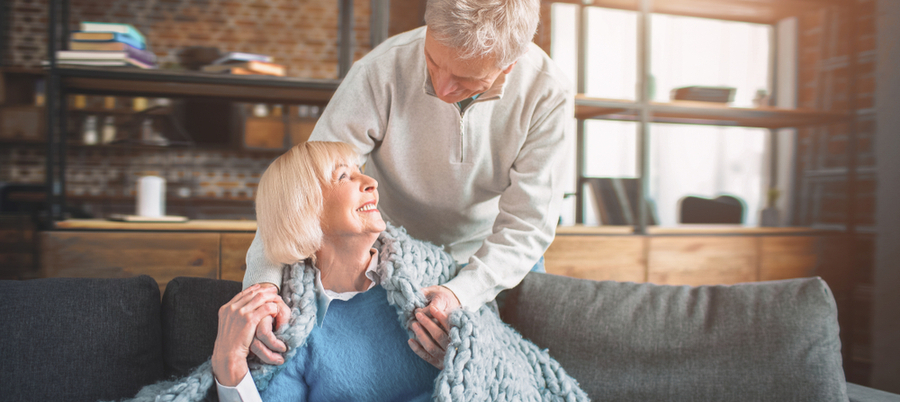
pixel 190 319
pixel 643 342
pixel 66 339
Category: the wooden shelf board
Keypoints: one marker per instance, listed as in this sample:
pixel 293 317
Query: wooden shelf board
pixel 173 83
pixel 755 11
pixel 727 230
pixel 191 225
pixel 688 112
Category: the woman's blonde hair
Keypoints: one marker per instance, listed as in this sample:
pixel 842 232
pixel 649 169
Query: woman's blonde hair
pixel 289 199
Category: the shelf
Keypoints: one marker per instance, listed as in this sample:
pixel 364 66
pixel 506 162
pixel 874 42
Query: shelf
pixel 178 83
pixel 190 225
pixel 691 230
pixel 755 11
pixel 688 112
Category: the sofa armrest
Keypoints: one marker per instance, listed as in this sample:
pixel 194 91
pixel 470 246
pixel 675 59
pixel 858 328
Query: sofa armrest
pixel 859 393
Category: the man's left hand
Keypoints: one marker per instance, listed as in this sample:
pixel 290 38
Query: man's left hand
pixel 441 298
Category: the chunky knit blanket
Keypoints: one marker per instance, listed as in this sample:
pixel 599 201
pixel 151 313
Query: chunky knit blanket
pixel 486 359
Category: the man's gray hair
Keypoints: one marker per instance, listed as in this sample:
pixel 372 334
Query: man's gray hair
pixel 498 28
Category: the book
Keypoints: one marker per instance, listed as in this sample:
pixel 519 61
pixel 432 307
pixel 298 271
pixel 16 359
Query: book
pixel 704 94
pixel 245 68
pixel 125 62
pixel 117 46
pixel 238 57
pixel 127 29
pixel 143 56
pixel 147 219
pixel 104 37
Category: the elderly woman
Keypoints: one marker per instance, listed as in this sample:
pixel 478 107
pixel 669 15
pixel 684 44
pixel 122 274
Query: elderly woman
pixel 350 307
pixel 315 206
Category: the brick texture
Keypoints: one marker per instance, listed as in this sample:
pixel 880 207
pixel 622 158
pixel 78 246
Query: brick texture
pixel 826 37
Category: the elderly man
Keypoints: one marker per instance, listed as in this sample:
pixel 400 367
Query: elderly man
pixel 463 124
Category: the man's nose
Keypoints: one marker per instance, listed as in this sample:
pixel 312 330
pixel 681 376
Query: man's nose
pixel 444 86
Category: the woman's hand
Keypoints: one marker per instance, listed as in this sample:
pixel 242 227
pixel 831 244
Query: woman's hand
pixel 266 346
pixel 432 325
pixel 238 320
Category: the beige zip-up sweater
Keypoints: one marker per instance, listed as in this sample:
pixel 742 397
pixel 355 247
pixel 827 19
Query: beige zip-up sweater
pixel 484 182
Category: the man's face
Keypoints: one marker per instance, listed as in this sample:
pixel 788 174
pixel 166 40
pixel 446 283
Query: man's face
pixel 455 79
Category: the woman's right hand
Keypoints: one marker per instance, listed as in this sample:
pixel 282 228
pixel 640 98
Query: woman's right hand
pixel 238 320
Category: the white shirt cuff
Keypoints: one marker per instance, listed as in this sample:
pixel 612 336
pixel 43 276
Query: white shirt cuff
pixel 245 391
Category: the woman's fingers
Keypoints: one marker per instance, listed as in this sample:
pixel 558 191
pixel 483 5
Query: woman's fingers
pixel 265 333
pixel 426 347
pixel 420 351
pixel 438 334
pixel 238 320
pixel 265 354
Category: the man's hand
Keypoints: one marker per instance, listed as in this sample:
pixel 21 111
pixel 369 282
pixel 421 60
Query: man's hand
pixel 432 325
pixel 441 298
pixel 265 345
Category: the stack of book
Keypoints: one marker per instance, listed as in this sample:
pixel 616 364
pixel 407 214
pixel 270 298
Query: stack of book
pixel 107 44
pixel 244 64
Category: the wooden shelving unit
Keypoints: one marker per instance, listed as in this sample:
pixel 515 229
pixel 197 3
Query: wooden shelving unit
pixel 62 80
pixel 644 111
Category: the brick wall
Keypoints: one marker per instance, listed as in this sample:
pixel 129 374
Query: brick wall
pixel 212 184
pixel 826 38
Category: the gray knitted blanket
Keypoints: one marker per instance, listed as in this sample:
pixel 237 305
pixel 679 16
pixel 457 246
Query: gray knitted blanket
pixel 486 359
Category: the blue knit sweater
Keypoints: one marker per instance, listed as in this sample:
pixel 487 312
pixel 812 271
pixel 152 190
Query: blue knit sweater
pixel 358 354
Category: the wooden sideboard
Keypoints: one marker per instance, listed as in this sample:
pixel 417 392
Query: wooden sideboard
pixel 701 255
pixel 106 249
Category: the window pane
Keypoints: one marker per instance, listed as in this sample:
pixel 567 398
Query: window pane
pixel 564 51
pixel 564 39
pixel 706 161
pixel 697 51
pixel 610 148
pixel 611 59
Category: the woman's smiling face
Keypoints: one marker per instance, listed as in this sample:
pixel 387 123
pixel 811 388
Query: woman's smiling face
pixel 350 203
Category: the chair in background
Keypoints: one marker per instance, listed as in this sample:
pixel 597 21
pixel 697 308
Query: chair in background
pixel 616 201
pixel 724 209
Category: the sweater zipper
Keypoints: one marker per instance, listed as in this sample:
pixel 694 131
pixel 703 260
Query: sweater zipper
pixel 462 138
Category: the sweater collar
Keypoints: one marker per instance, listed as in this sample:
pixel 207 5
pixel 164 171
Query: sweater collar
pixel 494 92
pixel 324 297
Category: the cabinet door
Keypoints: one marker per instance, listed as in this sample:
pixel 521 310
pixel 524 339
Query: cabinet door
pixel 700 260
pixel 599 258
pixel 234 254
pixel 161 255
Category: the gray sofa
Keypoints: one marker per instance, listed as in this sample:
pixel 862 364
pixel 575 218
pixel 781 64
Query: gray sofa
pixel 93 339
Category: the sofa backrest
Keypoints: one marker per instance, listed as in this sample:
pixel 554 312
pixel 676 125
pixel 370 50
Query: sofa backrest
pixel 642 342
pixel 66 339
pixel 190 316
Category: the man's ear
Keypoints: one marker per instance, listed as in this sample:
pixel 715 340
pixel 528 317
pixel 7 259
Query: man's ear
pixel 508 69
